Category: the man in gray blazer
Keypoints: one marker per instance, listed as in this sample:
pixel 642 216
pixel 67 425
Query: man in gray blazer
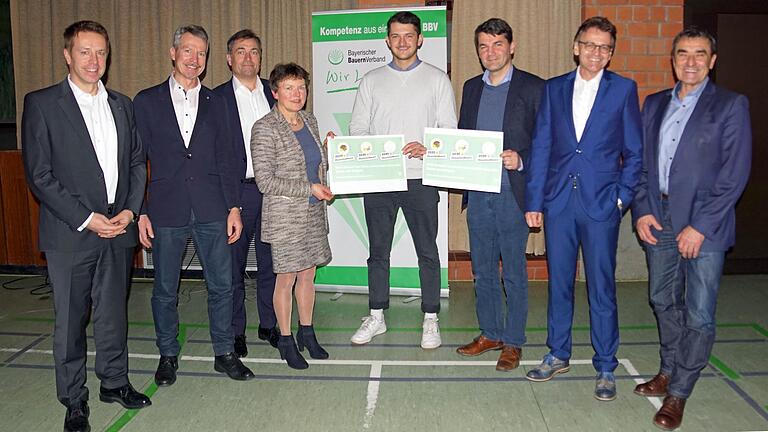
pixel 85 164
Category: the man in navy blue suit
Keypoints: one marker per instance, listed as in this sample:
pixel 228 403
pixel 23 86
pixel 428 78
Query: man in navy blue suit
pixel 696 162
pixel 503 98
pixel 247 98
pixel 192 192
pixel 585 163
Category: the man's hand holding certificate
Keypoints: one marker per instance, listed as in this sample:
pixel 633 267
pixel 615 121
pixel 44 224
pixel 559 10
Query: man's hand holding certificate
pixel 362 164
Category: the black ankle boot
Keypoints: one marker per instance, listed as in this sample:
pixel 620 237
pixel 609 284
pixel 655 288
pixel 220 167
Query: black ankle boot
pixel 288 352
pixel 306 337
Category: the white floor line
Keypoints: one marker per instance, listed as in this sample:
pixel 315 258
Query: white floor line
pixel 655 401
pixel 324 362
pixel 376 366
pixel 373 394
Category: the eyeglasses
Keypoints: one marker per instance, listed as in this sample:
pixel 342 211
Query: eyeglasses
pixel 591 47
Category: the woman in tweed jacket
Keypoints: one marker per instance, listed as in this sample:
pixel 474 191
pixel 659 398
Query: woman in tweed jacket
pixel 290 167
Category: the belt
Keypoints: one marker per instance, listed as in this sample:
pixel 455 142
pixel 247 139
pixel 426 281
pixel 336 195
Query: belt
pixel 111 209
pixel 664 196
pixel 250 180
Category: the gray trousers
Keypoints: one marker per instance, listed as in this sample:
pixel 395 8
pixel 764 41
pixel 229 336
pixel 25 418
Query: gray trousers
pixel 97 278
pixel 419 205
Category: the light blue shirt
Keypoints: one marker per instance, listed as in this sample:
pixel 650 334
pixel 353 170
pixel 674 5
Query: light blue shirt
pixel 411 67
pixel 672 127
pixel 507 77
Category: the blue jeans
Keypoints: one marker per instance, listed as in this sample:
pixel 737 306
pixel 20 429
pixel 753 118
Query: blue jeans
pixel 167 250
pixel 497 229
pixel 683 294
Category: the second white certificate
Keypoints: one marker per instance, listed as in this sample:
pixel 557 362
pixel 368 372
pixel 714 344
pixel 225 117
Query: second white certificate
pixel 463 159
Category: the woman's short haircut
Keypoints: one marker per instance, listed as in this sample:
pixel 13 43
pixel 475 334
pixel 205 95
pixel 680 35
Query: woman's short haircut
pixel 285 71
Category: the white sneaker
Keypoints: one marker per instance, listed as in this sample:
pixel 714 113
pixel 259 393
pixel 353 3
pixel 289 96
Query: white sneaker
pixel 430 337
pixel 371 327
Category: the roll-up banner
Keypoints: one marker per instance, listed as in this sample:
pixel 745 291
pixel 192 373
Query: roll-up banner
pixel 346 45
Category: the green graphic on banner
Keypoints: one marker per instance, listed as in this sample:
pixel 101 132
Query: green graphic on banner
pixel 371 25
pixel 351 210
pixel 343 119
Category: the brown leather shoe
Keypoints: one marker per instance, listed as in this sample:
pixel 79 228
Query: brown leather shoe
pixel 657 386
pixel 478 346
pixel 509 358
pixel 670 415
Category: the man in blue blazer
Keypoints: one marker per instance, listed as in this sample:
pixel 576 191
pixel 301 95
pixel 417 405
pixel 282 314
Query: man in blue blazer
pixel 193 192
pixel 585 163
pixel 247 98
pixel 696 162
pixel 503 98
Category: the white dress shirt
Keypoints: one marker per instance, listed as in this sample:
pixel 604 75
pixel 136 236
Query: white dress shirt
pixel 185 104
pixel 584 93
pixel 251 105
pixel 101 128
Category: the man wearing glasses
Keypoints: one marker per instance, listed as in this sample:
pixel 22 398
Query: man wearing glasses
pixel 585 163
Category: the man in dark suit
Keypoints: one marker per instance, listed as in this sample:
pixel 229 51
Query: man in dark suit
pixel 503 98
pixel 85 164
pixel 247 98
pixel 193 192
pixel 696 162
pixel 585 163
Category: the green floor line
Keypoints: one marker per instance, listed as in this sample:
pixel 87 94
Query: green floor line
pixel 722 367
pixel 760 329
pixel 149 391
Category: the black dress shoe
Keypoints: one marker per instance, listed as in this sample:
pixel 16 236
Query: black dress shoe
pixel 241 348
pixel 166 370
pixel 126 396
pixel 270 335
pixel 232 366
pixel 77 418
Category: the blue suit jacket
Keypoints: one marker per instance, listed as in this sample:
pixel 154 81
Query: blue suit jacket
pixel 227 93
pixel 605 165
pixel 200 178
pixel 519 120
pixel 710 168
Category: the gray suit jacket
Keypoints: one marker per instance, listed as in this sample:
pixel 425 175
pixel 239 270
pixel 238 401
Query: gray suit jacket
pixel 64 173
pixel 281 175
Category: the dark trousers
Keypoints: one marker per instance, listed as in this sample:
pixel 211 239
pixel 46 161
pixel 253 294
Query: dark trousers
pixel 265 277
pixel 419 205
pixel 95 278
pixel 683 295
pixel 167 251
pixel 598 239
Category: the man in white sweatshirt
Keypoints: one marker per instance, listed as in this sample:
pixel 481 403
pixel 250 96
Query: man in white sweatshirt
pixel 403 97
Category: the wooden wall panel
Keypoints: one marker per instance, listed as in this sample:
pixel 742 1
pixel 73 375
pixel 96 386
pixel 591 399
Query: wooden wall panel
pixel 3 247
pixel 20 213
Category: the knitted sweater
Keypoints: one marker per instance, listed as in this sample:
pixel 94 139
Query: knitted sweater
pixel 392 102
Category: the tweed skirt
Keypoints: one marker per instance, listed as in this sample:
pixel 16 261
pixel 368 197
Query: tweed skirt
pixel 312 249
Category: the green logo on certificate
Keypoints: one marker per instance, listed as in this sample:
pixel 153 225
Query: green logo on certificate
pixel 463 159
